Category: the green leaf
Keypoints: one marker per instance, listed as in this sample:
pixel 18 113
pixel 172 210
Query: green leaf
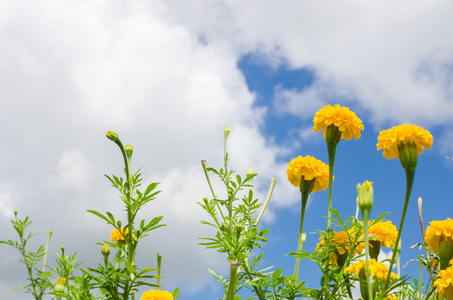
pixel 146 270
pixel 129 267
pixel 100 216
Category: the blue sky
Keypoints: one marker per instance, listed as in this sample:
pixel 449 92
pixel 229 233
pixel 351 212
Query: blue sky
pixel 168 76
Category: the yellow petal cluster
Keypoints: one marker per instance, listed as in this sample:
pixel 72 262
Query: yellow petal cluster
pixel 437 231
pixel 340 243
pixel 311 168
pixel 116 236
pixel 61 280
pixel 389 140
pixel 346 121
pixel 377 269
pixel 385 232
pixel 156 295
pixel 444 283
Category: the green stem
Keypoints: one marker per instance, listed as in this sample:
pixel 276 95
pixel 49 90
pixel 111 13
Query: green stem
pixel 365 217
pixel 203 163
pixel 410 173
pixel 331 149
pixel 233 279
pixel 269 194
pixel 49 234
pixel 420 257
pixel 159 264
pixel 304 200
pixel 430 293
pixel 30 273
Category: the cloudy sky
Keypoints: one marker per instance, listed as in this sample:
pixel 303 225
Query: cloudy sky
pixel 168 76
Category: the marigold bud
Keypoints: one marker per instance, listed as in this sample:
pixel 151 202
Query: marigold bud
pixel 105 250
pixel 226 130
pixel 129 149
pixel 365 196
pixel 250 172
pixel 112 135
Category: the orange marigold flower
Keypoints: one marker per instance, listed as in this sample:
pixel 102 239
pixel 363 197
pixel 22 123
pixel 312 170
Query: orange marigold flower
pixel 391 139
pixel 118 237
pixel 311 168
pixel 438 231
pixel 156 295
pixel 346 121
pixel 444 283
pixel 377 269
pixel 385 232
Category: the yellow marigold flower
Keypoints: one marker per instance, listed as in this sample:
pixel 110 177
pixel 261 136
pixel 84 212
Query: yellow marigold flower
pixel 347 121
pixel 118 237
pixel 61 280
pixel 444 283
pixel 341 245
pixel 439 238
pixel 60 286
pixel 311 168
pixel 437 231
pixel 377 269
pixel 385 232
pixel 391 139
pixel 156 295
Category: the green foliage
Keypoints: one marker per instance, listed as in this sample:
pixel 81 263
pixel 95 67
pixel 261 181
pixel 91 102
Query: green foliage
pixel 115 279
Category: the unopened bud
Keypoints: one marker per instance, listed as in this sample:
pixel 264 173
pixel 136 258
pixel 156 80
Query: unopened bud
pixel 112 135
pixel 365 196
pixel 129 149
pixel 62 250
pixel 206 200
pixel 239 228
pixel 226 130
pixel 105 250
pixel 250 172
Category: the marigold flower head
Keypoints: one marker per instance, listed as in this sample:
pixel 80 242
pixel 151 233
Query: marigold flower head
pixel 156 295
pixel 377 269
pixel 118 237
pixel 310 168
pixel 391 139
pixel 444 283
pixel 61 280
pixel 345 120
pixel 385 232
pixel 437 231
pixel 340 242
pixel 60 285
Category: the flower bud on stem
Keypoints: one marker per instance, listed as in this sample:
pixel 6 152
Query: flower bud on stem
pixel 365 202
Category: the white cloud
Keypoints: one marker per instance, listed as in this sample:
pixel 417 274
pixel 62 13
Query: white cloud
pixel 395 60
pixel 74 70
